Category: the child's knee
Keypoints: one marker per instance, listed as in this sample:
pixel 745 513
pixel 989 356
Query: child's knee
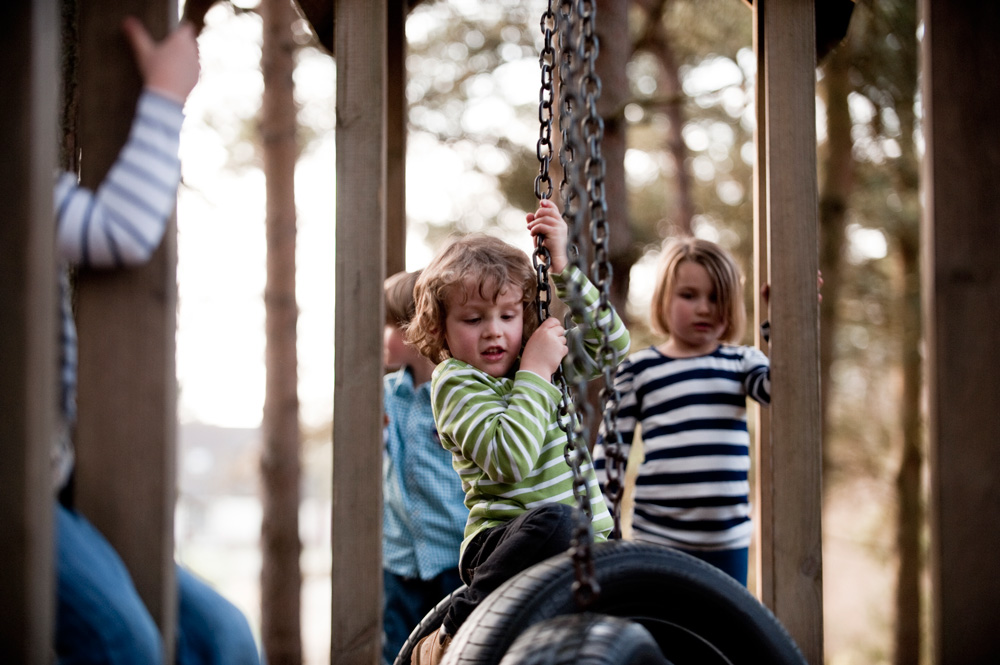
pixel 554 515
pixel 555 523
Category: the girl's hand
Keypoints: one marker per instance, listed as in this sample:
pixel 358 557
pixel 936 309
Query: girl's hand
pixel 765 290
pixel 549 222
pixel 170 67
pixel 545 348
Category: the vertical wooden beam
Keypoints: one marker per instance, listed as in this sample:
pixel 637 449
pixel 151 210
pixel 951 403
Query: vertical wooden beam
pixel 126 457
pixel 793 472
pixel 396 115
pixel 763 498
pixel 28 75
pixel 961 299
pixel 361 29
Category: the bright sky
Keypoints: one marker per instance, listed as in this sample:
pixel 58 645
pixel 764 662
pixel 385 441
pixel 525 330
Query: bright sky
pixel 221 265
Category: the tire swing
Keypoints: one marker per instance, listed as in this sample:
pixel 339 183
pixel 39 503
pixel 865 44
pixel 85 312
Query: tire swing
pixel 427 625
pixel 585 639
pixel 695 613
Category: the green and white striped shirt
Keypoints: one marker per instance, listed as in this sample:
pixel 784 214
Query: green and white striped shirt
pixel 504 434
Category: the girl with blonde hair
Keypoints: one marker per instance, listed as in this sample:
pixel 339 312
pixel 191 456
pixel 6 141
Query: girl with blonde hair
pixel 688 396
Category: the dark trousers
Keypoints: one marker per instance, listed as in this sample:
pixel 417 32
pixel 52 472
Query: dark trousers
pixel 497 554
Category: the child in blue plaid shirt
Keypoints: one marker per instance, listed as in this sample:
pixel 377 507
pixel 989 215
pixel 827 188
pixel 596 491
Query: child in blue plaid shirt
pixel 424 513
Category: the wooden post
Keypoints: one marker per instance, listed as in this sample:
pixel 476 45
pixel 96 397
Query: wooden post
pixel 961 299
pixel 126 464
pixel 396 115
pixel 763 499
pixel 28 332
pixel 792 473
pixel 361 29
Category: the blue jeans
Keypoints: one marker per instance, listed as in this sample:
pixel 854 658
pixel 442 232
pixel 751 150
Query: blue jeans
pixel 732 562
pixel 101 619
pixel 407 601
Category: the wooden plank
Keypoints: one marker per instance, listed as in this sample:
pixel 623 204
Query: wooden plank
pixel 126 465
pixel 795 465
pixel 961 298
pixel 763 504
pixel 28 331
pixel 361 28
pixel 396 120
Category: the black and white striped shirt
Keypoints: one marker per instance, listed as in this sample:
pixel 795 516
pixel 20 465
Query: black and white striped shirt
pixel 692 490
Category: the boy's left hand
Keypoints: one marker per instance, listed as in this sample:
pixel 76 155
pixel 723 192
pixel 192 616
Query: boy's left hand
pixel 549 222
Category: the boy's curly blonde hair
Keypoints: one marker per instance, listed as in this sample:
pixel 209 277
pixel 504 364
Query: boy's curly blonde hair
pixel 492 263
pixel 723 271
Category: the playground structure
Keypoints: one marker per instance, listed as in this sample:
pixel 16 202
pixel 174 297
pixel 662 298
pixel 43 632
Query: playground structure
pixel 129 491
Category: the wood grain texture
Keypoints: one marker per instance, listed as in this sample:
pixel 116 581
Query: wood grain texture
pixel 361 28
pixel 961 299
pixel 795 464
pixel 126 436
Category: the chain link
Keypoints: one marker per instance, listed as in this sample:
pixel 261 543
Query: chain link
pixel 571 421
pixel 546 63
pixel 601 270
pixel 541 259
pixel 586 588
pixel 579 124
pixel 568 101
pixel 574 405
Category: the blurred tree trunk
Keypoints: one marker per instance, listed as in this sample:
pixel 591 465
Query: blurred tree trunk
pixel 612 21
pixel 654 38
pixel 281 577
pixel 907 635
pixel 836 182
pixel 881 51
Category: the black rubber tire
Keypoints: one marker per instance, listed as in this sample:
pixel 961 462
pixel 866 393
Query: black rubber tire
pixel 427 625
pixel 585 639
pixel 697 614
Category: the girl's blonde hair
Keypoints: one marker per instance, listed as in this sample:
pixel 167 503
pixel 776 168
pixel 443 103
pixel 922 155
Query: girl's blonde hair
pixel 725 274
pixel 493 265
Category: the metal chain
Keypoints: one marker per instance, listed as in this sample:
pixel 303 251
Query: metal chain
pixel 601 269
pixel 568 101
pixel 585 587
pixel 546 63
pixel 543 150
